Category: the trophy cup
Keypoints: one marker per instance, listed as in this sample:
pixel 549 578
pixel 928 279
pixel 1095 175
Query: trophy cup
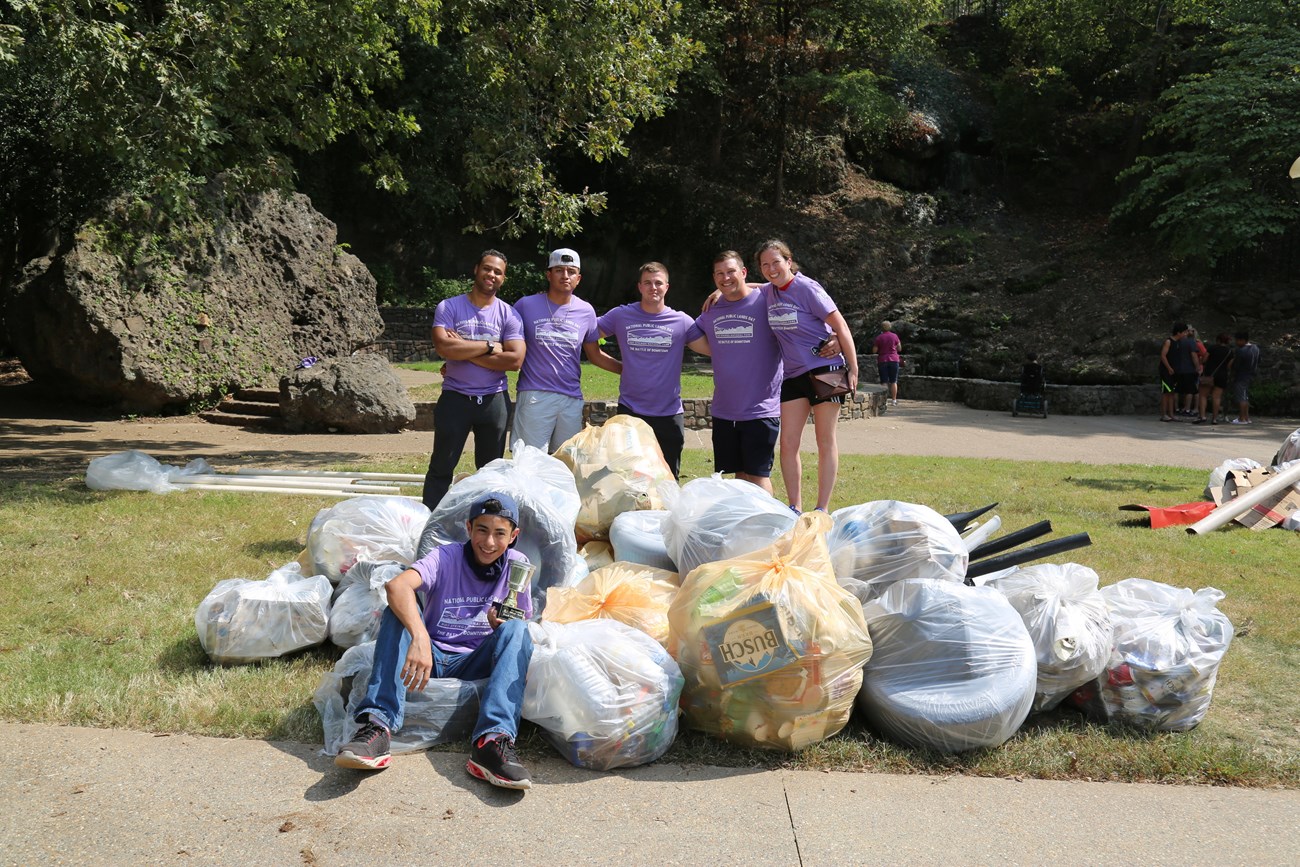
pixel 520 576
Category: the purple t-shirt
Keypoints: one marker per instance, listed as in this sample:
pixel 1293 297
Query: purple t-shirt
pixel 746 358
pixel 886 345
pixel 497 322
pixel 797 315
pixel 554 335
pixel 652 346
pixel 456 600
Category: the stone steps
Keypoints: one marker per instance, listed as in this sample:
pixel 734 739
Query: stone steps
pixel 257 408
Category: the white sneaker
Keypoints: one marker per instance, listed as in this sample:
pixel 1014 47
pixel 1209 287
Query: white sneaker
pixel 1239 421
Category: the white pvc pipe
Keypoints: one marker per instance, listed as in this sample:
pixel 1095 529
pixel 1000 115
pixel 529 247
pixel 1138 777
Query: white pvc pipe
pixel 275 482
pixel 980 534
pixel 315 492
pixel 1247 501
pixel 333 474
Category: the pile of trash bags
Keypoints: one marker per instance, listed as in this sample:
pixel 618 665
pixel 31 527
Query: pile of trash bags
pixel 242 620
pixel 604 694
pixel 771 646
pixel 1164 656
pixel 618 468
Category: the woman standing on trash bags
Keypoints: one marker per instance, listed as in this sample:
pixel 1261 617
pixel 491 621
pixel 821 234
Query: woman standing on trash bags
pixel 820 366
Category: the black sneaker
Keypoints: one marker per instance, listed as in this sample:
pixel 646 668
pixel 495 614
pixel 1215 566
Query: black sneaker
pixel 493 759
pixel 368 751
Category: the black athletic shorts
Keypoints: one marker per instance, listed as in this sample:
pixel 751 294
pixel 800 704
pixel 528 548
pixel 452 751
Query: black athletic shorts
pixel 800 387
pixel 745 446
pixel 1187 383
pixel 1166 381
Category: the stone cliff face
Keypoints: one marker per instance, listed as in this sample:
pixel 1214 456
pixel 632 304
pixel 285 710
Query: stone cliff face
pixel 159 322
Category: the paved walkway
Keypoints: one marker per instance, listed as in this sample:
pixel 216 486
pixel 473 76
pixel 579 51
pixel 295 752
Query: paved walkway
pixel 86 796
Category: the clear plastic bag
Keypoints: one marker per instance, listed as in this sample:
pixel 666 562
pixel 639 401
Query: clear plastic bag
pixel 875 544
pixel 627 592
pixel 953 667
pixel 445 710
pixel 721 519
pixel 1165 657
pixel 373 528
pixel 1288 451
pixel 638 537
pixel 360 602
pixel 548 506
pixel 604 694
pixel 1067 619
pixel 136 471
pixel 618 468
pixel 771 647
pixel 597 555
pixel 1219 474
pixel 244 621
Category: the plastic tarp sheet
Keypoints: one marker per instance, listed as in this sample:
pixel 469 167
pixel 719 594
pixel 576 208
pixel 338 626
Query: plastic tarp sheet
pixel 360 601
pixel 877 543
pixel 604 694
pixel 638 537
pixel 771 646
pixel 618 468
pixel 722 519
pixel 244 621
pixel 1068 621
pixel 1165 656
pixel 373 528
pixel 136 471
pixel 445 710
pixel 1219 474
pixel 953 667
pixel 627 592
pixel 548 507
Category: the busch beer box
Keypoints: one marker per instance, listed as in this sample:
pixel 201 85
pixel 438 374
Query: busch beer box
pixel 750 642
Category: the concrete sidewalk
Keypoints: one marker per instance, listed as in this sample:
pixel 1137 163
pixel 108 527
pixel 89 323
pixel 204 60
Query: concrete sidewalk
pixel 89 796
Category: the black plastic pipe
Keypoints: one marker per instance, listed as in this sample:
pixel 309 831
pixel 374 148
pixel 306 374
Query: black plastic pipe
pixel 961 519
pixel 1026 555
pixel 1010 540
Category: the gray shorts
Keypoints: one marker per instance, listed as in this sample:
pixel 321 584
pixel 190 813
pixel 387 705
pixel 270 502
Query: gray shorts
pixel 1241 390
pixel 545 419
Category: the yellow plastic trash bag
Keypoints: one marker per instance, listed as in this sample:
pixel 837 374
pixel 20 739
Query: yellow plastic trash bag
pixel 771 646
pixel 619 468
pixel 627 592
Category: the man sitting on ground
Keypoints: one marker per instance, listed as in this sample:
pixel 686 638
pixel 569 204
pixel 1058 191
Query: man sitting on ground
pixel 458 634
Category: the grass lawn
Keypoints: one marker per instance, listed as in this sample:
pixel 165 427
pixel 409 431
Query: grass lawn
pixel 101 589
pixel 597 384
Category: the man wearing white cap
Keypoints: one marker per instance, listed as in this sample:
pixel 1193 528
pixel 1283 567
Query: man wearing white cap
pixel 559 328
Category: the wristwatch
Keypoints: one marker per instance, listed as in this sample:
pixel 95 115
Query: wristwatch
pixel 491 347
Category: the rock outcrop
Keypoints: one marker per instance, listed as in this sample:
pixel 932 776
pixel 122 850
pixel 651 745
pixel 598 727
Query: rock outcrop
pixel 163 320
pixel 360 394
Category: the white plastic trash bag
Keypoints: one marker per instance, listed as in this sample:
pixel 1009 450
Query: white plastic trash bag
pixel 875 544
pixel 953 667
pixel 136 471
pixel 604 694
pixel 721 519
pixel 1219 474
pixel 445 710
pixel 373 528
pixel 548 506
pixel 638 537
pixel 1289 450
pixel 1165 657
pixel 243 621
pixel 1068 621
pixel 360 602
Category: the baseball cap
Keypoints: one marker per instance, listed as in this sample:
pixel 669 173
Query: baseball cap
pixel 564 256
pixel 504 505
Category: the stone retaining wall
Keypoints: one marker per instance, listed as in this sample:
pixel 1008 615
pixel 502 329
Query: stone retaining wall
pixel 1061 399
pixel 408 335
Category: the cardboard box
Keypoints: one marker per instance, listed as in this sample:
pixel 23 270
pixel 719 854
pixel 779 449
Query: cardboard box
pixel 749 643
pixel 1268 513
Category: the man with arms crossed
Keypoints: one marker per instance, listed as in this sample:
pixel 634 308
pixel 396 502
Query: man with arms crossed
pixel 746 374
pixel 480 337
pixel 558 326
pixel 652 337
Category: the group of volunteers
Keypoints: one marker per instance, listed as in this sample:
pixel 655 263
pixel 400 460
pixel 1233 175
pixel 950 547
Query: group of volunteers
pixel 1193 376
pixel 769 346
pixel 781 351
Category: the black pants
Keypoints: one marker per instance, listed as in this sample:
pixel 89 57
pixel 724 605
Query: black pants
pixel 669 431
pixel 454 416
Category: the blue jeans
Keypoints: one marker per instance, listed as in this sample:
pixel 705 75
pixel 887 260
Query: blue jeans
pixel 502 658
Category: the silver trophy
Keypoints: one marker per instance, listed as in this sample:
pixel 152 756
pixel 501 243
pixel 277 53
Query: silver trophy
pixel 519 578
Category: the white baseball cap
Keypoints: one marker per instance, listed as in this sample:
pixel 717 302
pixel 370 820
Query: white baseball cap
pixel 564 256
